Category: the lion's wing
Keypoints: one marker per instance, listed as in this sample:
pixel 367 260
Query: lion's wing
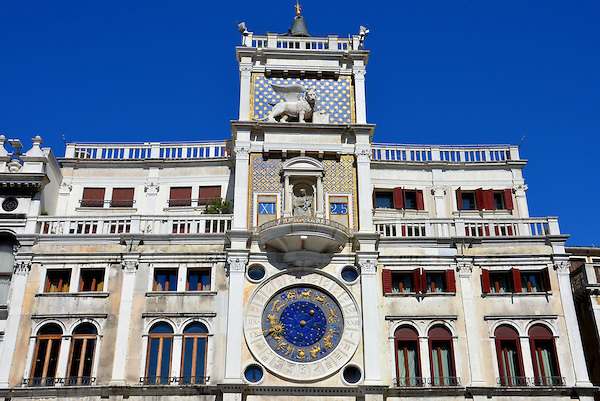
pixel 289 92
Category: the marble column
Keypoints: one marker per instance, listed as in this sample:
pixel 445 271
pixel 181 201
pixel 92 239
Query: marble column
pixel 359 94
pixel 363 172
pixel 371 330
pixel 237 261
pixel 16 298
pixel 245 89
pixel 472 335
pixel 130 265
pixel 240 205
pixel 564 286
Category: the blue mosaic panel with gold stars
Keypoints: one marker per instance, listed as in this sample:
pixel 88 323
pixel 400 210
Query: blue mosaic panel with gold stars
pixel 265 178
pixel 302 324
pixel 334 96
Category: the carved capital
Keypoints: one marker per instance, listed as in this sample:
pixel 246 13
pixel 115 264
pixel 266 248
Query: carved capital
pixel 242 152
pixel 563 266
pixel 519 190
pixel 237 264
pixel 151 188
pixel 359 73
pixel 130 265
pixel 22 267
pixel 439 191
pixel 65 188
pixel 464 268
pixel 368 266
pixel 363 156
pixel 245 70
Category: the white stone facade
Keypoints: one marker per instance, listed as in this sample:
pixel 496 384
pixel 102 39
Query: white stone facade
pixel 346 269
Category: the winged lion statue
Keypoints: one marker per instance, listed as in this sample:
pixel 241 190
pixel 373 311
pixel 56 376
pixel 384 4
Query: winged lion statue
pixel 294 105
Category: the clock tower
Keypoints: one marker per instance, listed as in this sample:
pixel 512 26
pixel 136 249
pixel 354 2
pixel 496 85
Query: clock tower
pixel 302 245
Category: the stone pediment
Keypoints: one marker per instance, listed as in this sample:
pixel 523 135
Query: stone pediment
pixel 303 165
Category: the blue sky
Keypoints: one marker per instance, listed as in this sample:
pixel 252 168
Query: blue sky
pixel 440 72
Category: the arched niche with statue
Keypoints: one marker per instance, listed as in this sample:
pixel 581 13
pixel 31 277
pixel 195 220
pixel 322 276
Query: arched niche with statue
pixel 303 187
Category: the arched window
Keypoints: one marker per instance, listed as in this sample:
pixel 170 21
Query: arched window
pixel 45 358
pixel 158 360
pixel 442 357
pixel 81 359
pixel 408 370
pixel 193 364
pixel 543 353
pixel 510 362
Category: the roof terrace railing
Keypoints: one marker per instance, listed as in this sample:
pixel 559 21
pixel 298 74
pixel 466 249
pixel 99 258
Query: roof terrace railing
pixel 275 41
pixel 149 150
pixel 464 154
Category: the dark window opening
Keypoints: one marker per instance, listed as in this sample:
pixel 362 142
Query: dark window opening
pixel 165 280
pixel 122 197
pixel 58 280
pixel 91 280
pixel 198 280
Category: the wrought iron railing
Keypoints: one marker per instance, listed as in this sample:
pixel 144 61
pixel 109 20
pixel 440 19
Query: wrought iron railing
pixel 522 381
pixel 513 381
pixel 59 381
pixel 169 380
pixel 444 381
pixel 408 382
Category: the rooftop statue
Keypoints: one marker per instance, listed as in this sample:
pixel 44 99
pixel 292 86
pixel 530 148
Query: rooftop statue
pixel 293 105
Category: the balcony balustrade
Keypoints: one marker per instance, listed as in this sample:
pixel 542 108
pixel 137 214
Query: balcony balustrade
pixel 167 380
pixel 143 151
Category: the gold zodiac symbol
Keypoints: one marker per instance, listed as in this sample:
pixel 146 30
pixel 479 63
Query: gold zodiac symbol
pixel 319 298
pixel 327 339
pixel 275 305
pixel 301 354
pixel 291 295
pixel 332 314
pixel 314 351
pixel 306 293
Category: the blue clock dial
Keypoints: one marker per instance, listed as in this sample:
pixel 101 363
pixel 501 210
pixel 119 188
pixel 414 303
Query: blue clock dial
pixel 302 323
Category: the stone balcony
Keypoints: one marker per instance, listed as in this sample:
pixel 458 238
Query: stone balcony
pixel 303 240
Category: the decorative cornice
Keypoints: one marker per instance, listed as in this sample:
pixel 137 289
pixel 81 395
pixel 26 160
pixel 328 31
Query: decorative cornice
pixel 130 265
pixel 368 266
pixel 519 190
pixel 22 267
pixel 439 191
pixel 151 188
pixel 363 156
pixel 563 266
pixel 242 152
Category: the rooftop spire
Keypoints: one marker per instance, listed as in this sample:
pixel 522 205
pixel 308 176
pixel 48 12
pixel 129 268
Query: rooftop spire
pixel 297 7
pixel 299 25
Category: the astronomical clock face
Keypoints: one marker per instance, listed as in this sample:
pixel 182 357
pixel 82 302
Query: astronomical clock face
pixel 302 328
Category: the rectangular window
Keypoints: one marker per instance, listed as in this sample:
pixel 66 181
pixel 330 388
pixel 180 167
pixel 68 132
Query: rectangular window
pixel 91 280
pixel 165 280
pixel 500 282
pixel 531 282
pixel 4 288
pixel 58 280
pixel 419 280
pixel 122 197
pixel 198 280
pixel 208 194
pixel 442 365
pixel 403 283
pixel 515 280
pixel 481 199
pixel 93 197
pixel 45 360
pixel 384 199
pixel 180 196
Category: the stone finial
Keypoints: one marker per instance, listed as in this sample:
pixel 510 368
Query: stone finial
pixel 36 150
pixel 3 151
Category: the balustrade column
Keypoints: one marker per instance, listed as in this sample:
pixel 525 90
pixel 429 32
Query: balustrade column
pixel 16 297
pixel 233 356
pixel 465 269
pixel 130 265
pixel 564 286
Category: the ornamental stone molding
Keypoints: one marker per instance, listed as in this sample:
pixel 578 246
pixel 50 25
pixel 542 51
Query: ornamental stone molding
pixel 363 156
pixel 439 191
pixel 562 266
pixel 368 266
pixel 65 188
pixel 237 264
pixel 359 73
pixel 242 152
pixel 22 267
pixel 464 268
pixel 519 190
pixel 151 188
pixel 130 265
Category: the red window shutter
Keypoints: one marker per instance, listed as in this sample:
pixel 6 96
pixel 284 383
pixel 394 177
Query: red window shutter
pixel 417 280
pixel 93 197
pixel 386 277
pixel 508 202
pixel 487 230
pixel 374 199
pixel 479 199
pixel 122 197
pixel 546 279
pixel 459 204
pixel 399 198
pixel 510 230
pixel 488 200
pixel 485 281
pixel 516 275
pixel 423 280
pixel 420 205
pixel 181 196
pixel 208 194
pixel 450 281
